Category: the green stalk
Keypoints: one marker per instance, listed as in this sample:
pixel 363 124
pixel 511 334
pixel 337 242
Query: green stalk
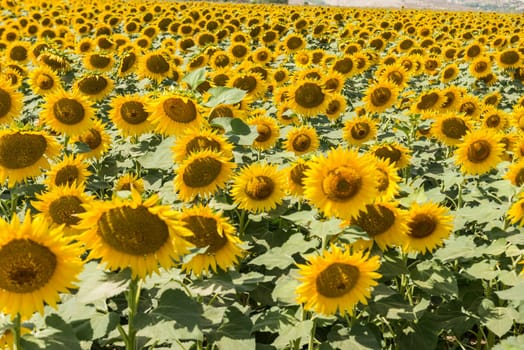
pixel 311 343
pixel 132 297
pixel 16 333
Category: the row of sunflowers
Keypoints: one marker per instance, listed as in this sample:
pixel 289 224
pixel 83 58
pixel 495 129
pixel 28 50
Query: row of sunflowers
pixel 190 175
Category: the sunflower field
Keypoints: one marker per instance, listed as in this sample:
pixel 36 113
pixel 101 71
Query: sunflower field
pixel 197 175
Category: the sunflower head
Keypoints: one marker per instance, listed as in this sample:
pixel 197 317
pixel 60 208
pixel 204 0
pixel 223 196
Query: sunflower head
pixel 480 151
pixel 379 97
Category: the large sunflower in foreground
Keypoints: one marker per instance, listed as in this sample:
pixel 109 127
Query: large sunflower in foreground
pixel 24 153
pixel 129 114
pixel 480 151
pixel 10 102
pixel 337 280
pixel 135 233
pixel 211 230
pixel 202 173
pixel 341 183
pixel 173 113
pixel 383 222
pixel 429 224
pixel 258 187
pixel 59 206
pixel 68 113
pixel 37 264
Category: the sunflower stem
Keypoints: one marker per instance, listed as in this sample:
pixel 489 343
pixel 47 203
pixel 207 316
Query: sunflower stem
pixel 311 343
pixel 16 332
pixel 132 297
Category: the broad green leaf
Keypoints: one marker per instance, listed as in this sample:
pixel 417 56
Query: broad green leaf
pixel 357 337
pixel 160 158
pixel 284 291
pixel 424 335
pixel 510 343
pixel 273 320
pixel 58 334
pixel 237 324
pixel 393 266
pixel 175 305
pixel 514 293
pixel 483 270
pixel 224 95
pixel 392 308
pixel 236 130
pixel 97 285
pixel 226 343
pixel 458 247
pixel 325 228
pixel 195 78
pixel 301 332
pixel 500 320
pixel 434 279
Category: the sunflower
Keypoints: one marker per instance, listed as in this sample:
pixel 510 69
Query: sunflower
pixel 59 206
pixel 517 117
pixel 380 96
pixel 99 62
pixel 96 141
pixel 18 51
pixel 480 67
pixel 515 173
pixel 334 82
pixel 44 81
pixel 480 151
pixel 69 171
pixel 383 222
pixel 308 98
pixel 128 62
pixel 262 55
pixel 173 113
pixel 515 212
pixel 346 65
pixel 508 58
pixel 396 153
pixel 295 174
pixel 473 50
pixel 293 43
pixel 84 46
pixel 492 99
pixel 129 182
pixel 258 187
pixel 94 86
pixel 210 229
pixel 13 76
pixel 37 265
pixel 10 102
pixel 267 129
pixel 337 280
pixel 494 118
pixel 388 180
pixel 154 65
pixel 239 51
pixel 301 140
pixel 196 140
pixel 429 224
pixel 24 153
pixel 428 101
pixel 470 105
pixel 129 114
pixel 449 128
pixel 69 113
pixel 202 173
pixel 449 73
pixel 132 232
pixel 396 73
pixel 359 130
pixel 341 182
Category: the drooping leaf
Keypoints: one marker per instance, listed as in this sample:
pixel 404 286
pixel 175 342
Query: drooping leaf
pixel 224 95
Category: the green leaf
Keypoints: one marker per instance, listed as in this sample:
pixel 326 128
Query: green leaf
pixel 500 320
pixel 434 279
pixel 301 332
pixel 59 335
pixel 224 95
pixel 355 338
pixel 284 291
pixel 226 343
pixel 195 78
pixel 393 307
pixel 160 158
pixel 175 305
pixel 236 130
pixel 424 335
pixel 97 285
pixel 510 343
pixel 458 247
pixel 483 270
pixel 325 228
pixel 237 324
pixel 273 320
pixel 393 266
pixel 514 293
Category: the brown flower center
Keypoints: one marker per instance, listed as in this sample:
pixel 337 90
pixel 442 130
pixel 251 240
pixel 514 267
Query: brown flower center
pixel 375 220
pixel 134 231
pixel 205 233
pixel 99 61
pixel 264 133
pixel 92 139
pixel 179 111
pixel 301 143
pixel 341 184
pixel 454 128
pixel 133 112
pixel 388 152
pixel 422 225
pixel 309 95
pixel 344 65
pixel 63 210
pixel 297 173
pixel 92 84
pixel 479 151
pixel 294 43
pixel 381 96
pixel 5 103
pixel 68 111
pixel 337 280
pixel 25 266
pixel 44 82
pixel 509 57
pixel 259 187
pixel 201 172
pixel 428 101
pixel 18 151
pixel 360 130
pixel 200 143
